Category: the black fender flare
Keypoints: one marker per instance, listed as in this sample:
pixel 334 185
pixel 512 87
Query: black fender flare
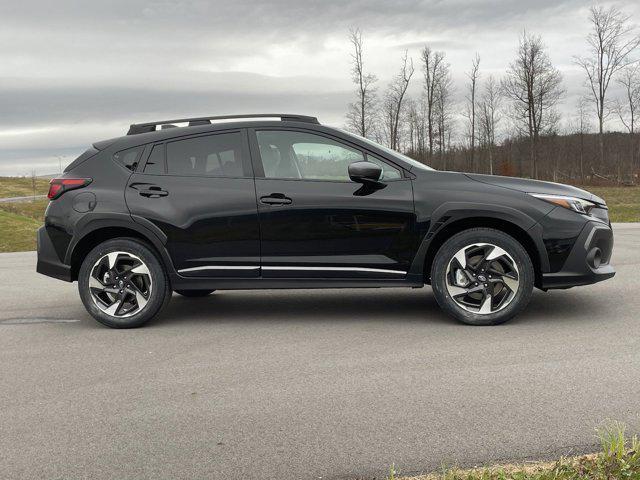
pixel 92 222
pixel 451 212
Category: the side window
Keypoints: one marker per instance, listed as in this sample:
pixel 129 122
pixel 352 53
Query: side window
pixel 129 158
pixel 155 162
pixel 388 172
pixel 219 155
pixel 290 154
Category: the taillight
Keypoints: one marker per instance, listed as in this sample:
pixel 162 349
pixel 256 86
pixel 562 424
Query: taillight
pixel 57 186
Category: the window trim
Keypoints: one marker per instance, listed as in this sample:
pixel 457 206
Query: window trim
pixel 258 168
pixel 247 164
pixel 403 175
pixel 147 154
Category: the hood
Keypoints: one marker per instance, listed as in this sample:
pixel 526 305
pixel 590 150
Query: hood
pixel 535 186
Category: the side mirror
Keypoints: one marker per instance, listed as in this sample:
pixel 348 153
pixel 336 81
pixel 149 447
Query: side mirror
pixel 365 172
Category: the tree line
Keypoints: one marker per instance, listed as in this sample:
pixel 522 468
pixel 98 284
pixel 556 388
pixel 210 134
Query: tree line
pixel 511 125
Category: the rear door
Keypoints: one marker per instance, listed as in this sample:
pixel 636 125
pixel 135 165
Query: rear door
pixel 200 192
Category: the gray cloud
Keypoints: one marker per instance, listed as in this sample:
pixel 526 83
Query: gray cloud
pixel 72 72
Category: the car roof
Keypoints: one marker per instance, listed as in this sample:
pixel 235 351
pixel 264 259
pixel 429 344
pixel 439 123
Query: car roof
pixel 143 133
pixel 302 122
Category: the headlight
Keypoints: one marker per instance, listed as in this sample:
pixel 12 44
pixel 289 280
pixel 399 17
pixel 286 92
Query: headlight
pixel 572 203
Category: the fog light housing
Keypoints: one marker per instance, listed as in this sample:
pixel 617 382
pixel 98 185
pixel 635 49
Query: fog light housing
pixel 594 257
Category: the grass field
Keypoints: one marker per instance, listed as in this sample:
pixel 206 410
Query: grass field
pixel 18 233
pixel 623 202
pixel 18 224
pixel 20 220
pixel 22 186
pixel 618 458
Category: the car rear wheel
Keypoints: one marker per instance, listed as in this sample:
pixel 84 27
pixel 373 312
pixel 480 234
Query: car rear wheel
pixel 194 293
pixel 123 284
pixel 482 276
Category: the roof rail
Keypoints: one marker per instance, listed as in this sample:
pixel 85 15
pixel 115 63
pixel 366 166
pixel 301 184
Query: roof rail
pixel 137 128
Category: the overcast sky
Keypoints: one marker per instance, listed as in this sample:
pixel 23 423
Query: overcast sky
pixel 74 72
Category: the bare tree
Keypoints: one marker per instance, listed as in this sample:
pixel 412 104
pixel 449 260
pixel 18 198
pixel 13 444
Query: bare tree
pixel 415 122
pixel 489 117
pixel 582 127
pixel 433 69
pixel 534 86
pixel 361 114
pixel 611 43
pixel 34 182
pixel 443 112
pixel 628 109
pixel 473 75
pixel 393 101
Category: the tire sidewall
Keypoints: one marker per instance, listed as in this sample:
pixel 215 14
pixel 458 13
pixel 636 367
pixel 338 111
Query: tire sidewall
pixel 158 278
pixel 482 235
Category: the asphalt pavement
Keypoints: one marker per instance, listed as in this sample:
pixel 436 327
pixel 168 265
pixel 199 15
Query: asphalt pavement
pixel 309 384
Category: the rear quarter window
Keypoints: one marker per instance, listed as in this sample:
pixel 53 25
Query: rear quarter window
pixel 128 158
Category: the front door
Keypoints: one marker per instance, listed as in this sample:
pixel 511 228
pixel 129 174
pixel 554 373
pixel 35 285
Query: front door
pixel 316 223
pixel 200 192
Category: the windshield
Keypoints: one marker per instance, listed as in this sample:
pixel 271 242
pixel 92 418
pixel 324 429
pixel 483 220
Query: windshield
pixel 393 153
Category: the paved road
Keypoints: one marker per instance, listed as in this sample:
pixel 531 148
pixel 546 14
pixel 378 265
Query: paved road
pixel 21 199
pixel 308 384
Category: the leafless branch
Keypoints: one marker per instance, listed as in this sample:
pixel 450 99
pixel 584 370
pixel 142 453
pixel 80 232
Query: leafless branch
pixel 361 114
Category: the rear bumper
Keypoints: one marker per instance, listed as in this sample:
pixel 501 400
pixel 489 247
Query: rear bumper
pixel 588 261
pixel 48 261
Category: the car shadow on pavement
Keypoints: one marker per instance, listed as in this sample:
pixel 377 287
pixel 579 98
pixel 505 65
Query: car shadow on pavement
pixel 354 305
pixel 363 305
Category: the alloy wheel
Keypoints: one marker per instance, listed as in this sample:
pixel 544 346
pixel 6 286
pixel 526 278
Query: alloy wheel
pixel 120 284
pixel 482 278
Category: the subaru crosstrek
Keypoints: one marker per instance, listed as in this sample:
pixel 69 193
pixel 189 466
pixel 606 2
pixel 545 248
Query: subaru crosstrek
pixel 280 201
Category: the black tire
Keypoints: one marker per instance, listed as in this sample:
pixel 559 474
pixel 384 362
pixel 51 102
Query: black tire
pixel 158 296
pixel 194 293
pixel 525 272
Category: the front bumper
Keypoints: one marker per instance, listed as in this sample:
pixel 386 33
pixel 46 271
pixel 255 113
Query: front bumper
pixel 588 261
pixel 48 260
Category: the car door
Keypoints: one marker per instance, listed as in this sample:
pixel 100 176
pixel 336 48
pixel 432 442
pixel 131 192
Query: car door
pixel 315 222
pixel 199 191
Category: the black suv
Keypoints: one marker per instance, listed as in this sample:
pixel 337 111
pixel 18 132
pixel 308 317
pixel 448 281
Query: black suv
pixel 280 201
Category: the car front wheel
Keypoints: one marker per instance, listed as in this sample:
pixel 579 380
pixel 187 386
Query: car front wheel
pixel 123 284
pixel 482 276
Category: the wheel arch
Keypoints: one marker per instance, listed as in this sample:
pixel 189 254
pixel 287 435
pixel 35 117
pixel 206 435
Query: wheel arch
pixel 98 231
pixel 510 221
